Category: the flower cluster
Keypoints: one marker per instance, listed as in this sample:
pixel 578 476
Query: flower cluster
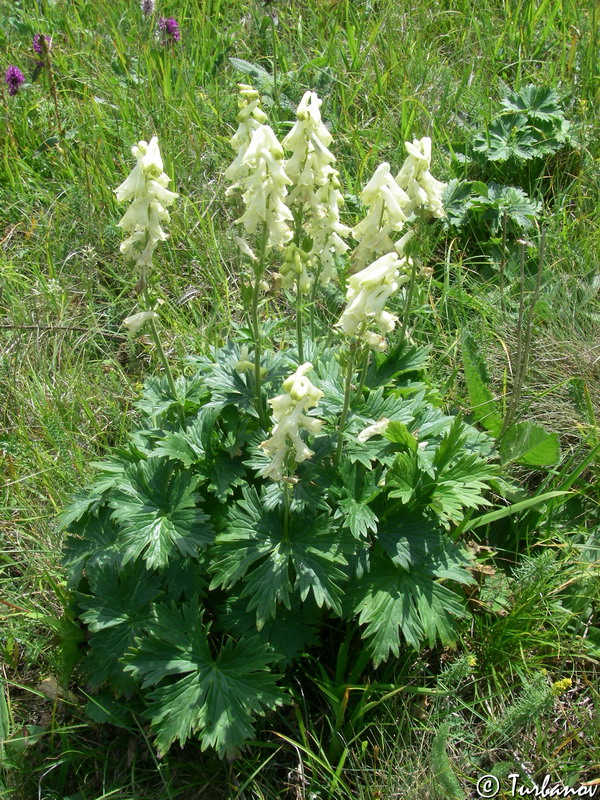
pixel 368 291
pixel 146 187
pixel 170 29
pixel 391 201
pixel 424 191
pixel 386 206
pixel 14 79
pixel 258 173
pixel 289 414
pixel 316 188
pixel 147 7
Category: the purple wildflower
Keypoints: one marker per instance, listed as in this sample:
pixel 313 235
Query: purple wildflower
pixel 147 7
pixel 170 28
pixel 37 42
pixel 14 78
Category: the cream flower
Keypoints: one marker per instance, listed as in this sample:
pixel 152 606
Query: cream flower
pixel 146 186
pixel 424 191
pixel 299 395
pixel 258 173
pixel 386 206
pixel 368 292
pixel 136 322
pixel 376 429
pixel 316 188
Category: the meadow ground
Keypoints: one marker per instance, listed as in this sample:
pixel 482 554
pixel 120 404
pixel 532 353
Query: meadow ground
pixel 387 71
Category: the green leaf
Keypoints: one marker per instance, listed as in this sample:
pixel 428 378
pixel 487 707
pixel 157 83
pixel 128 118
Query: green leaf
pixel 401 360
pixel 398 433
pixel 515 508
pixel 255 549
pixel 258 73
pixel 116 611
pixel 216 696
pixel 483 405
pixel 458 199
pixel 402 477
pixel 156 507
pixel 93 544
pixel 80 504
pixel 536 101
pixel 224 474
pixel 390 600
pixel 530 444
pixel 508 137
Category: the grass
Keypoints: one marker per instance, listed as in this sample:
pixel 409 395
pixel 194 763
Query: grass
pixel 387 71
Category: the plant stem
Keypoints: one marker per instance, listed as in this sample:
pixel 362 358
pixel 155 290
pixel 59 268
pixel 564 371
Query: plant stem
pixel 363 374
pixel 345 407
pixel 48 64
pixel 299 322
pixel 160 350
pixel 258 273
pixel 409 298
pixel 286 510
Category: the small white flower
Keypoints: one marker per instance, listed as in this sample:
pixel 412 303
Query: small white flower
pixel 386 203
pixel 316 189
pixel 136 322
pixel 376 429
pixel 258 173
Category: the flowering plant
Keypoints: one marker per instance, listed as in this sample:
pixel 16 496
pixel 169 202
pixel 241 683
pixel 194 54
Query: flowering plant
pixel 272 492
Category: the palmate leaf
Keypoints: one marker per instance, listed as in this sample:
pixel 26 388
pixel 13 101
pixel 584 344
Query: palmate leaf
pixel 255 549
pixel 91 544
pixel 391 600
pixel 509 136
pixel 157 400
pixel 535 101
pixel 402 359
pixel 191 445
pixel 156 507
pixel 292 632
pixel 116 611
pixel 216 696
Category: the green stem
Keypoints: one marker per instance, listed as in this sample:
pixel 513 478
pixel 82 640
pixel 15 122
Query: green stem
pixel 161 353
pixel 258 272
pixel 286 510
pixel 299 322
pixel 409 298
pixel 363 374
pixel 346 406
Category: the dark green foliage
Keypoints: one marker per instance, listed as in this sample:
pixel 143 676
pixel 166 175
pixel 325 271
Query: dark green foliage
pixel 193 579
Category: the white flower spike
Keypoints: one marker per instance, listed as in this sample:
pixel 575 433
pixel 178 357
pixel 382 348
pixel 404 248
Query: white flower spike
pixel 146 186
pixel 258 173
pixel 368 292
pixel 289 414
pixel 316 188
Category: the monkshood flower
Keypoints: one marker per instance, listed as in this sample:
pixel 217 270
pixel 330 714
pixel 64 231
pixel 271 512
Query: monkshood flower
pixel 386 206
pixel 289 412
pixel 170 29
pixel 249 118
pixel 376 429
pixel 259 175
pixel 367 294
pixel 136 322
pixel 146 187
pixel 424 191
pixel 14 79
pixel 316 184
